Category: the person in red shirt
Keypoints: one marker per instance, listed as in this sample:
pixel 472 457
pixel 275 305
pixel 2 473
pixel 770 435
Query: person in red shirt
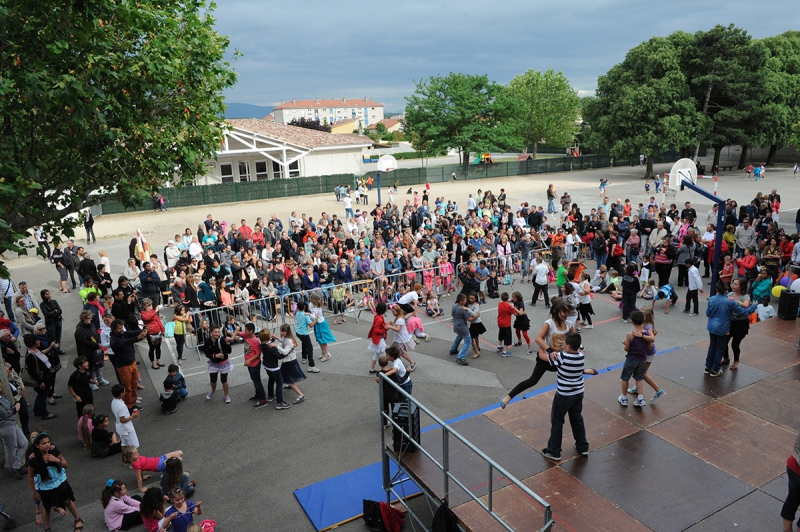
pixel 377 336
pixel 246 230
pixel 504 312
pixel 145 463
pixel 252 360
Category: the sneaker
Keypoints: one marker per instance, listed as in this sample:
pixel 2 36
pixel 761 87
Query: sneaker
pixel 304 361
pixel 283 406
pixel 462 362
pixel 693 314
pixel 500 349
pixel 624 321
pixel 104 382
pixel 373 371
pixel 529 352
pixel 551 456
pixel 589 327
pixel 94 387
pixel 227 399
pixel 717 373
pixel 623 400
pixel 300 399
pixel 313 369
pixel 427 337
pixel 505 354
pixel 138 400
pixel 658 394
pixel 254 398
pixel 517 344
pixel 260 403
pixel 270 399
pixel 287 386
pixel 547 306
pixel 707 371
pixel 639 402
pixel 416 339
pixel 209 395
pixel 172 411
pixel 584 453
pixel 685 311
pixel 634 390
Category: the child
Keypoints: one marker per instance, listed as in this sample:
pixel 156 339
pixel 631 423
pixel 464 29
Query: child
pixel 764 310
pixel 85 426
pixel 646 270
pixel 432 307
pixel 504 312
pixel 416 329
pixel 141 463
pixel 573 299
pixel 476 326
pixel 585 302
pixel 290 369
pixel 233 330
pixel 650 330
pixel 367 302
pixel 666 292
pixel 445 273
pixel 124 418
pixel 182 511
pixel 603 186
pixel 630 287
pixel 175 479
pixel 79 384
pixel 427 276
pixel 403 376
pixel 637 346
pixel 377 336
pixel 647 186
pixel 252 361
pixel 402 338
pixel 337 297
pixel 120 511
pixel 321 330
pixel 561 276
pixel 302 322
pixel 568 399
pixel 695 286
pixel 152 509
pixel 390 395
pixel 271 358
pixel 104 443
pixel 169 397
pixel 649 291
pixel 726 275
pixel 180 382
pixel 522 323
pixel 492 287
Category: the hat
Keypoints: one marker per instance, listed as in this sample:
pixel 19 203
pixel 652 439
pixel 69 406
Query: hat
pixel 34 311
pixel 170 241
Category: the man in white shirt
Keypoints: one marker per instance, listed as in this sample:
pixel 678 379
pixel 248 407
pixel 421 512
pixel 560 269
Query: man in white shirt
pixel 471 205
pixel 348 207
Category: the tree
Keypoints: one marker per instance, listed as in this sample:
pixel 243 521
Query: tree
pixel 781 91
pixel 550 108
pixel 380 128
pixel 420 145
pixel 465 112
pixel 723 67
pixel 642 105
pixel 103 99
pixel 311 124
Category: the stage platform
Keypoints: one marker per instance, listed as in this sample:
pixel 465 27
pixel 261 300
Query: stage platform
pixel 710 455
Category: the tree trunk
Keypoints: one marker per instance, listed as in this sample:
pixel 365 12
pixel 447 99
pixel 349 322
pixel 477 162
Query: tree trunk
pixel 773 151
pixel 743 157
pixel 685 152
pixel 705 113
pixel 534 150
pixel 649 172
pixel 717 154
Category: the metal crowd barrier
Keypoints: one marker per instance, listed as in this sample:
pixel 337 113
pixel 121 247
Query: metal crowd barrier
pixel 507 267
pixel 493 469
pixel 329 309
pixel 437 280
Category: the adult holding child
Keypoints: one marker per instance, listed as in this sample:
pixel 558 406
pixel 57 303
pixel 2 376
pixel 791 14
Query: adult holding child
pixel 721 309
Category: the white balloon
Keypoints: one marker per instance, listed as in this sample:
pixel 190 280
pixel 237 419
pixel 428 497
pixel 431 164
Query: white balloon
pixel 795 286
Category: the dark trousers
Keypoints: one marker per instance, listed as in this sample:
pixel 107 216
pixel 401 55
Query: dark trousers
pixel 537 289
pixel 90 233
pixel 567 405
pixel 255 376
pixel 691 297
pixel 275 384
pixel 83 402
pixel 71 271
pixel 792 501
pixel 54 331
pixel 307 349
pixel 180 341
pixel 715 350
pixel 24 416
pixel 663 271
pixel 46 246
pixel 683 275
pixel 9 309
pixel 133 518
pixel 40 404
pixel 628 304
pixel 739 329
pixel 539 370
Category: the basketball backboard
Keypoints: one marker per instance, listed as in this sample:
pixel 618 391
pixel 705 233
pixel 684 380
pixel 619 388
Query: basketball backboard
pixel 683 169
pixel 387 163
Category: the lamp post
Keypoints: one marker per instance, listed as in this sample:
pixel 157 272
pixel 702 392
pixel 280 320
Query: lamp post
pixel 386 163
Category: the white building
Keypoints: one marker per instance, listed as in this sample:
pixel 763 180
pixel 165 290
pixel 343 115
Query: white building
pixel 330 111
pixel 256 150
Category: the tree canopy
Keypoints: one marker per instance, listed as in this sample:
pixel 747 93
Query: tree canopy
pixel 309 123
pixel 549 107
pixel 465 112
pixel 103 99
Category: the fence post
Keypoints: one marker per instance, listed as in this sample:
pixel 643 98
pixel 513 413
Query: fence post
pixel 203 187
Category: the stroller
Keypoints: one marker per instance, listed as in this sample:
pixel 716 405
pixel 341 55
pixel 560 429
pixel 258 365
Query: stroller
pixel 8 521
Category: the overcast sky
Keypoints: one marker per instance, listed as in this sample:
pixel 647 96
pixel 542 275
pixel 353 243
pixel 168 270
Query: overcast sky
pixel 353 49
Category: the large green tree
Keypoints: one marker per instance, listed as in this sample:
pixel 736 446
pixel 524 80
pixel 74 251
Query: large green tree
pixel 724 69
pixel 103 98
pixel 462 111
pixel 781 91
pixel 549 106
pixel 644 104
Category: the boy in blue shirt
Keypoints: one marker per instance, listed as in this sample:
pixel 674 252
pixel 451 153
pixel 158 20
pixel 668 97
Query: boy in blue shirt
pixel 666 292
pixel 180 382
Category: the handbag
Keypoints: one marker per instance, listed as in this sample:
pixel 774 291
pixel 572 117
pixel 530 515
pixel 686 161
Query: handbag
pixel 156 338
pixel 169 329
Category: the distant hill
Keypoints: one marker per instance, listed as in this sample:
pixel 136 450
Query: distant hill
pixel 246 110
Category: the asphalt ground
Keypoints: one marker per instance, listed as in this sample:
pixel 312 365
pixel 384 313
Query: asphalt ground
pixel 248 462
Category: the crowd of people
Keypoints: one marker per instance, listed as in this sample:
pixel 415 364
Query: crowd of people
pixel 275 283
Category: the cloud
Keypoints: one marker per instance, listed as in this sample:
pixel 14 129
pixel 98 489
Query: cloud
pixel 311 49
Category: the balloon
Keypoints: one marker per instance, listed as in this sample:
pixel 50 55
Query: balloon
pixel 795 286
pixel 777 289
pixel 784 281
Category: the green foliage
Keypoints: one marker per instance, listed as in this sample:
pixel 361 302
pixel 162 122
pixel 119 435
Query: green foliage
pixel 380 128
pixel 549 108
pixel 309 123
pixel 103 99
pixel 642 105
pixel 465 112
pixel 781 88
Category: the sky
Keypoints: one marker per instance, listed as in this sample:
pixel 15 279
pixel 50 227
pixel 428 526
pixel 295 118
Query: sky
pixel 355 49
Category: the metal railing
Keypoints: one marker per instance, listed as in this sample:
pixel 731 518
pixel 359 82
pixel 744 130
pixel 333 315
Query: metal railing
pixel 444 466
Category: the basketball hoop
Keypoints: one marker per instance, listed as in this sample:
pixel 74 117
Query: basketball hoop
pixel 669 195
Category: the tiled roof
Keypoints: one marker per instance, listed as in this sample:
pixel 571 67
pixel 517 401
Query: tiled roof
pixel 388 122
pixel 315 104
pixel 309 138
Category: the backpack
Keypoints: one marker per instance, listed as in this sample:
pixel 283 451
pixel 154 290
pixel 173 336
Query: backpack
pixel 372 516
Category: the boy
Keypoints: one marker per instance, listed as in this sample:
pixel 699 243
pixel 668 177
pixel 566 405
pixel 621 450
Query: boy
pixel 124 417
pixel 695 286
pixel 397 366
pixel 568 400
pixel 180 382
pixel 637 345
pixel 504 312
pixel 561 276
pixel 169 397
pixel 252 361
pixel 390 394
pixel 630 287
pixel 726 275
pixel 666 292
pixel 764 310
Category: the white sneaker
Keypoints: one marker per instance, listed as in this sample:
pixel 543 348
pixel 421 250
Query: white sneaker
pixel 589 327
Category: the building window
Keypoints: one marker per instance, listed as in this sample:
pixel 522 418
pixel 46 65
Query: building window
pixel 277 170
pixel 294 169
pixel 262 171
pixel 244 171
pixel 226 172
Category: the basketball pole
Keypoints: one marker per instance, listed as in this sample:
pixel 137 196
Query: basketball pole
pixel 720 224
